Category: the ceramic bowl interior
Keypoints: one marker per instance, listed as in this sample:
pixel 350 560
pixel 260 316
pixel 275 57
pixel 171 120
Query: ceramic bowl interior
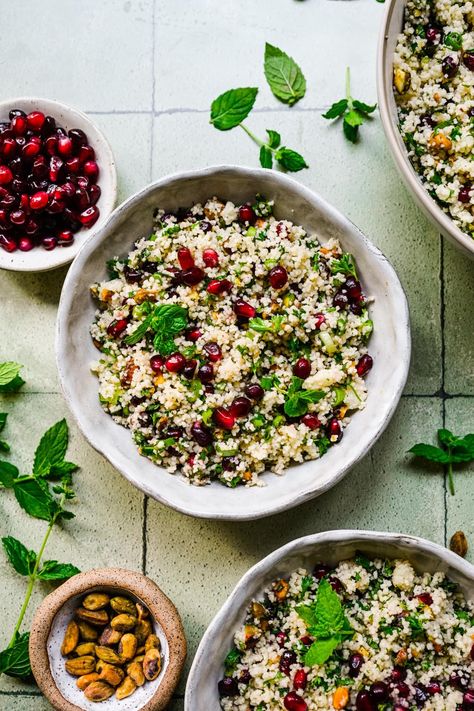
pixel 67 683
pixel 38 259
pixel 392 25
pixel 330 547
pixel 389 345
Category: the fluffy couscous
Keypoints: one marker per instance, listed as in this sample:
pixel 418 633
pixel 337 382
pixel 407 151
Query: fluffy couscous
pixel 434 90
pixel 232 342
pixel 366 635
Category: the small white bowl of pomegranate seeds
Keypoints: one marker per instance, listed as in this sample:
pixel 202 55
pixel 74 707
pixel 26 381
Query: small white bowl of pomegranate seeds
pixel 58 183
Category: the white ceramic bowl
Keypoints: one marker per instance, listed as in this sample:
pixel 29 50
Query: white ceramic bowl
pixel 390 344
pixel 392 24
pixel 39 259
pixel 331 547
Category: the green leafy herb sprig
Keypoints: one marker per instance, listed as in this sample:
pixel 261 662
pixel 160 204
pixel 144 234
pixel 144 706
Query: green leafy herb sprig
pixel 231 108
pixel 10 382
pixel 166 321
pixel 42 494
pixel 452 450
pixel 344 265
pixel 262 325
pixel 352 111
pixel 297 399
pixel 326 622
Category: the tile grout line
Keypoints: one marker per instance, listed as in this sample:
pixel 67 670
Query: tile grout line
pixel 443 380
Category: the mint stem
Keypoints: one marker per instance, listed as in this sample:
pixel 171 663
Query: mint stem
pixel 348 87
pixel 253 136
pixel 450 478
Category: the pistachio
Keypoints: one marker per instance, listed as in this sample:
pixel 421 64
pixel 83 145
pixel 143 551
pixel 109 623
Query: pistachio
pixel 109 636
pixel 80 665
pixel 123 605
pixel 458 543
pixel 141 650
pixel 401 79
pixel 126 688
pixel 85 648
pixel 98 691
pixel 152 664
pixel 258 610
pixel 127 647
pixel 84 681
pixel 98 618
pixel 111 675
pixel 95 601
pixel 107 655
pixel 142 611
pixel 135 672
pixel 139 658
pixel 87 632
pixel 152 642
pixel 142 631
pixel 71 638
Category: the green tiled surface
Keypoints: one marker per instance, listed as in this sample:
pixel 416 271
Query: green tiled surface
pixel 147 74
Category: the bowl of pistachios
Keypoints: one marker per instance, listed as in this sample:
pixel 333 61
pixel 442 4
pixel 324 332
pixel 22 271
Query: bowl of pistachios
pixel 109 638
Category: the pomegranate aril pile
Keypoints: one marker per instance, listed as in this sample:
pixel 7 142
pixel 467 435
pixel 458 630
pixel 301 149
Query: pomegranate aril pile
pixel 48 182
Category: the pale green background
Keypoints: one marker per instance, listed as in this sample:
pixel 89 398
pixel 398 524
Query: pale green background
pixel 147 72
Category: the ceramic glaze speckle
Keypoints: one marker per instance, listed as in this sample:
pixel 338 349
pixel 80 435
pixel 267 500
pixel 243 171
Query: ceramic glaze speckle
pixel 389 345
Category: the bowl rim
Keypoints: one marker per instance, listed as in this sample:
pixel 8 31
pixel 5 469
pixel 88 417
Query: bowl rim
pixel 399 154
pixel 160 606
pixel 328 538
pixel 94 438
pixel 61 257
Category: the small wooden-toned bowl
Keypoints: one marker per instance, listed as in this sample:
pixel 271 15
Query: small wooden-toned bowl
pixel 57 609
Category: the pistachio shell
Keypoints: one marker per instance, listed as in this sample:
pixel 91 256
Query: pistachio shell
pixel 95 601
pixel 152 642
pixel 109 636
pixel 111 675
pixel 135 672
pixel 152 664
pixel 86 679
pixel 85 648
pixel 123 605
pixel 126 688
pixel 98 618
pixel 98 691
pixel 127 647
pixel 80 665
pixel 87 632
pixel 71 638
pixel 123 622
pixel 106 654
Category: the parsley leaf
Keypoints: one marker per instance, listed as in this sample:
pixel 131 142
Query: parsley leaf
pixel 344 265
pixel 232 107
pixel 452 450
pixel 284 76
pixel 353 112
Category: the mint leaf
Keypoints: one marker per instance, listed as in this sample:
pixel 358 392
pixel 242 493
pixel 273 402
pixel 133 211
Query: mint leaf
pixel 320 651
pixel 62 470
pixel 51 449
pixel 52 570
pixel 336 110
pixel 3 420
pixel 34 498
pixel 350 132
pixel 431 453
pixel 453 40
pixel 363 107
pixel 284 76
pixel 232 107
pixel 290 160
pixel 307 614
pixel 231 661
pixel 4 446
pixel 274 138
pixel 9 374
pixel 15 660
pixel 353 118
pixel 328 610
pixel 22 559
pixel 297 402
pixel 138 333
pixel 8 474
pixel 266 157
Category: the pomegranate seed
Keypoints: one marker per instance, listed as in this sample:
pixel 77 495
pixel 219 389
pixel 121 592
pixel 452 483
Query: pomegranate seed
pixel 302 368
pixel 254 391
pixel 213 351
pixel 31 227
pixel 205 226
pixel 81 199
pixel 459 680
pixel 9 148
pixel 55 165
pixel 156 363
pixel 39 200
pixel 464 194
pixel 193 334
pixel 364 702
pixel 210 258
pixel 116 328
pixel 30 149
pixel 35 120
pixel 468 60
pixel 78 137
pixel 319 319
pixel 94 194
pixel 425 598
pixel 287 659
pixel 192 276
pixel 246 214
pixel 69 189
pixel 336 584
pixel 39 168
pixel 185 258
pixel 355 661
pixel 294 702
pixel 403 690
pixel 25 244
pixel 51 145
pixel 468 699
pixel 240 406
pixel 278 277
pixel 311 421
pixel 17 217
pixel 91 170
pixel 364 365
pixel 190 368
pixel 245 676
pixel 306 640
pixel 65 238
pixel 341 299
pixel 6 176
pixel 201 434
pixel 64 146
pixel 175 362
pixel 86 153
pixel 89 216
pixel 219 286
pixel 7 243
pixel 334 430
pixel 73 165
pixel 19 125
pixel 223 418
pixel 244 309
pixel 206 373
pixel 300 679
pixel 55 207
pixel 379 691
pixel 228 687
pixel 433 688
pixel 398 674
pixel 281 639
pixel 49 243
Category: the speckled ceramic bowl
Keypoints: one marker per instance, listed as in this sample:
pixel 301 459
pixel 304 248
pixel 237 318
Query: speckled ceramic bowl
pixel 39 259
pixel 389 345
pixel 331 547
pixel 391 27
pixel 56 611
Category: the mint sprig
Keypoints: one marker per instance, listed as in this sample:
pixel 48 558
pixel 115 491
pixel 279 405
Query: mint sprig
pixel 284 76
pixel 297 400
pixel 326 622
pixel 166 321
pixel 344 265
pixel 353 112
pixel 452 450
